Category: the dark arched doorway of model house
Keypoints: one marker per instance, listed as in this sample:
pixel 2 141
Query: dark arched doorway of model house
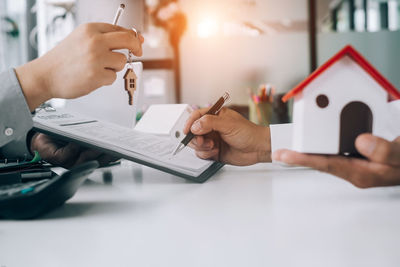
pixel 356 118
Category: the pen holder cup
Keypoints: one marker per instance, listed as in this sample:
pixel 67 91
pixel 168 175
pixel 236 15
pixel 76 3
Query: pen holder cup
pixel 260 113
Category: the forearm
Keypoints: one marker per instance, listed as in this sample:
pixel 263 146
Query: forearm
pixel 32 78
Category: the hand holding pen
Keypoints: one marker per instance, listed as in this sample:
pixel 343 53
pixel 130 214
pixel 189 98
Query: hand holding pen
pixel 212 111
pixel 228 137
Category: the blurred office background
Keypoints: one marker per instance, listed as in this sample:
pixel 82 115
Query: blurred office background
pixel 197 49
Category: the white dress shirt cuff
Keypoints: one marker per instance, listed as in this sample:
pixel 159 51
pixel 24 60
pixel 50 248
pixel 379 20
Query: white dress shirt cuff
pixel 15 116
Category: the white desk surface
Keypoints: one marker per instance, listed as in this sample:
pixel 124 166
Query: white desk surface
pixel 253 216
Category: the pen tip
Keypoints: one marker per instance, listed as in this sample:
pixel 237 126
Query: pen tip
pixel 175 151
pixel 178 149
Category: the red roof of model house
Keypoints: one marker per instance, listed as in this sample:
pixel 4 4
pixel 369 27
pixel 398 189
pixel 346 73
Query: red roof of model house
pixel 358 58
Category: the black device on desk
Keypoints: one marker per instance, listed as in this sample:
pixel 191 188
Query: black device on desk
pixel 26 200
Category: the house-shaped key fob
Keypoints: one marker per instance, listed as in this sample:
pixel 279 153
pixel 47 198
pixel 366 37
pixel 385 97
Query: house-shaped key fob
pixel 130 84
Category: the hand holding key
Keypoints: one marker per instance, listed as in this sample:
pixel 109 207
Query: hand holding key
pixel 81 63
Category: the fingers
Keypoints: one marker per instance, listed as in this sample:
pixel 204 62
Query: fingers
pixel 319 162
pixel 55 152
pixel 108 28
pixel 124 40
pixel 105 27
pixel 209 123
pixel 62 156
pixel 141 38
pixel 221 123
pixel 206 147
pixel 92 154
pixel 115 61
pixel 105 159
pixel 212 154
pixel 378 149
pixel 194 116
pixel 87 155
pixel 108 77
pixel 361 173
pixel 196 142
pixel 116 37
pixel 199 143
pixel 138 35
pixel 338 166
pixel 201 124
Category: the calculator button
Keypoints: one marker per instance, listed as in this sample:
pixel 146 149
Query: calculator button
pixel 26 190
pixel 9 131
pixel 20 189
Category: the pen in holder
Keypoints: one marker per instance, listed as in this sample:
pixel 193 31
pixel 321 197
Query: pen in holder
pixel 260 105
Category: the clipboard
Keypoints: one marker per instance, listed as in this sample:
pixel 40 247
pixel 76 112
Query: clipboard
pixel 204 176
pixel 200 178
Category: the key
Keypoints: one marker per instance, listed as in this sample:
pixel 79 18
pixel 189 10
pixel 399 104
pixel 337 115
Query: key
pixel 130 78
pixel 130 83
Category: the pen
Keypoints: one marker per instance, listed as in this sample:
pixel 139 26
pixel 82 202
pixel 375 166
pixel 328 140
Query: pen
pixel 212 111
pixel 119 13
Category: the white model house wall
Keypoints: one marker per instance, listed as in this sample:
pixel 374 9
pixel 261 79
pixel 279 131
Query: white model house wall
pixel 317 130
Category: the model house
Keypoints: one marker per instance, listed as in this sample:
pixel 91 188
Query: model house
pixel 342 99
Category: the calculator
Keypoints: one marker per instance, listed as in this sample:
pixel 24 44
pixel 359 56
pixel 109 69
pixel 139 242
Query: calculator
pixel 32 199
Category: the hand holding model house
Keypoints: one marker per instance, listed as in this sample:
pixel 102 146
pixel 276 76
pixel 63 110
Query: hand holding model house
pixel 336 111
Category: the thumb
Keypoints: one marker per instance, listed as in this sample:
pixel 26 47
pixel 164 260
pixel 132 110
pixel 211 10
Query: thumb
pixel 209 123
pixel 378 149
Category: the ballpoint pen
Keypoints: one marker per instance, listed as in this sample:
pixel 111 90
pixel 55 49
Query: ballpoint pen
pixel 213 111
pixel 118 14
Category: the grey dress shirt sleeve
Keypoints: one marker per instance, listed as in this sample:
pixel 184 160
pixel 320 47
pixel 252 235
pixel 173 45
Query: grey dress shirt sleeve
pixel 15 117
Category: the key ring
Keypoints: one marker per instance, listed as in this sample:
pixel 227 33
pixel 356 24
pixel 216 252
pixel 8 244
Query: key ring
pixel 135 31
pixel 130 59
pixel 130 55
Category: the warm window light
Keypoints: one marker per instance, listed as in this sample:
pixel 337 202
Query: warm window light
pixel 207 27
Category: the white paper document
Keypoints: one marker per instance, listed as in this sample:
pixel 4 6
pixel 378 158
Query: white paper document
pixel 152 149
